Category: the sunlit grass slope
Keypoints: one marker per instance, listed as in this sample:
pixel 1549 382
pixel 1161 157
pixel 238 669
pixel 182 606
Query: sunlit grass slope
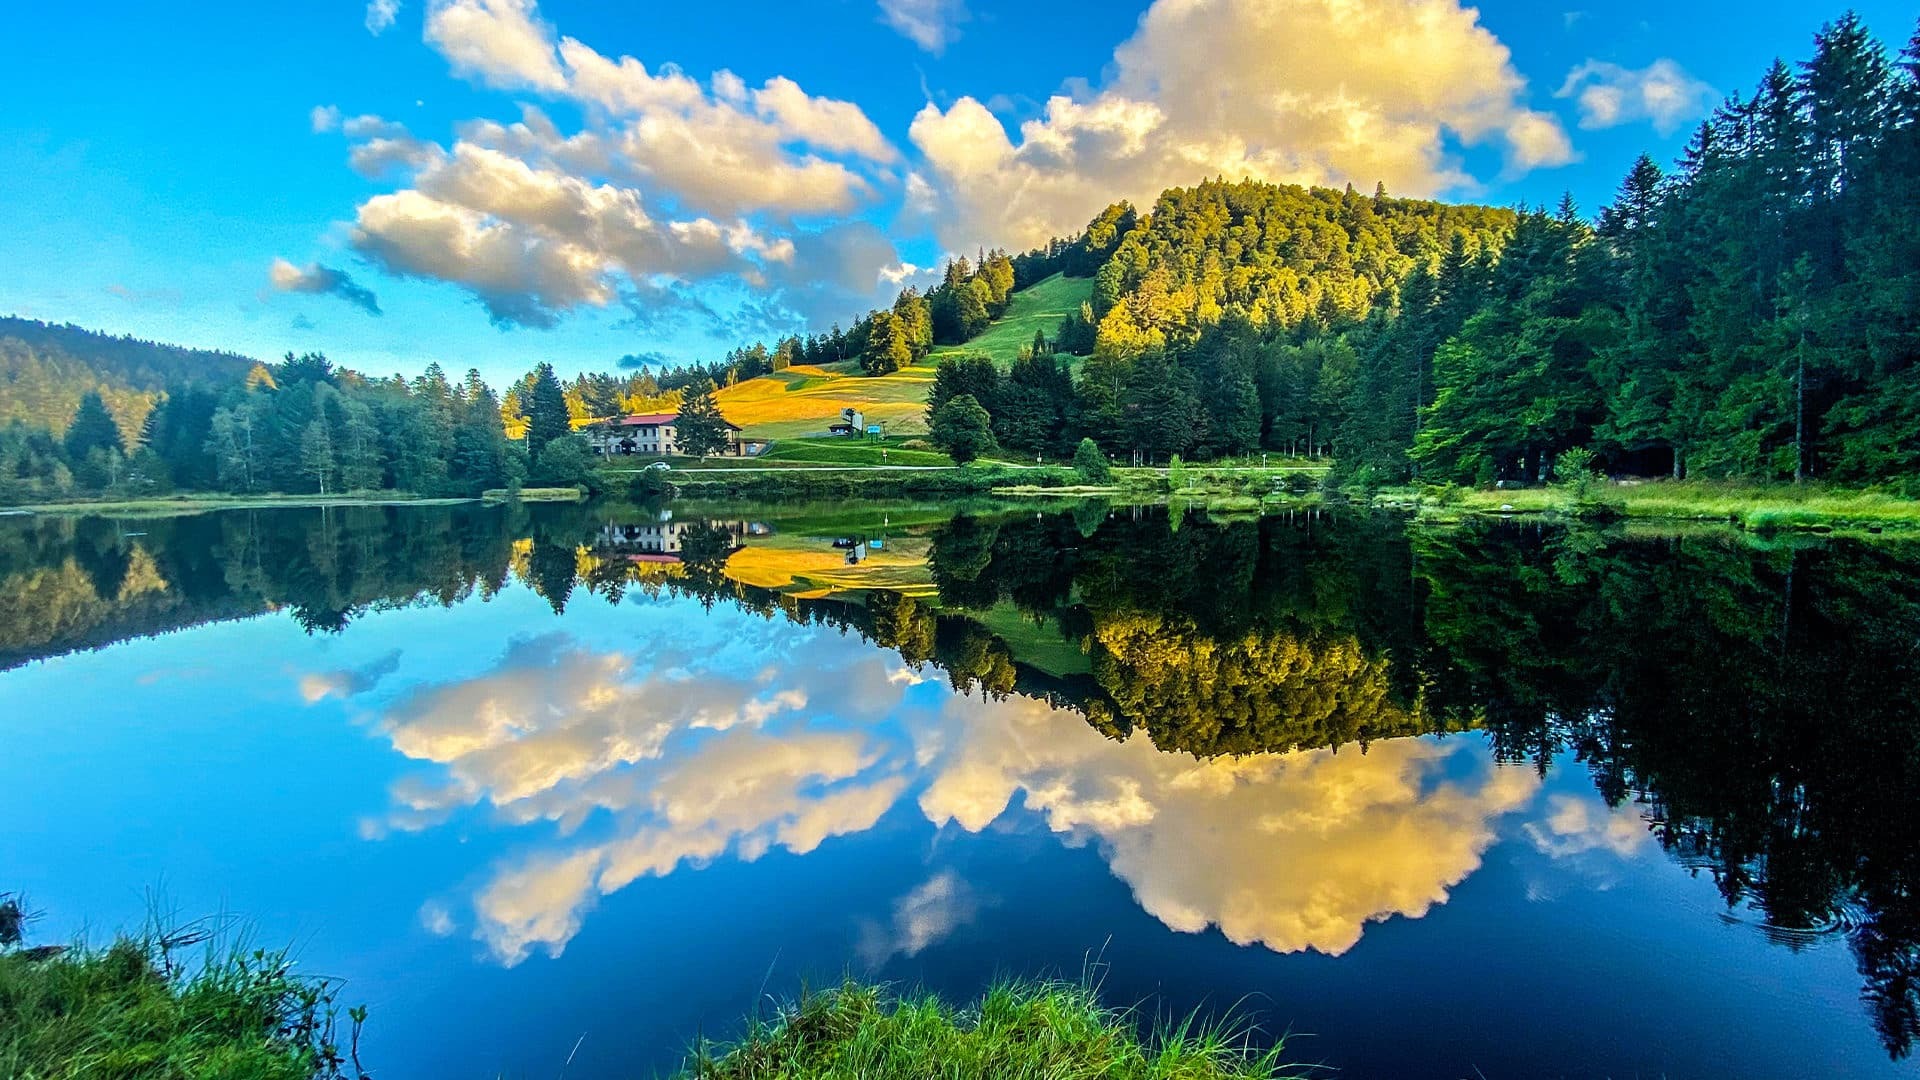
pixel 805 399
pixel 1040 307
pixel 1022 1032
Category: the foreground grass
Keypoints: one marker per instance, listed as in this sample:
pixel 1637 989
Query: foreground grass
pixel 133 1010
pixel 1756 507
pixel 1033 1031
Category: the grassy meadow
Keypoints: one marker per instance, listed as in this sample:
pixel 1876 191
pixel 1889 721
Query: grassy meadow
pixel 804 399
pixel 1039 307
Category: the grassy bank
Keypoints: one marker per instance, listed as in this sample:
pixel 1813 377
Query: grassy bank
pixel 141 1008
pixel 852 482
pixel 1755 507
pixel 201 502
pixel 1036 1031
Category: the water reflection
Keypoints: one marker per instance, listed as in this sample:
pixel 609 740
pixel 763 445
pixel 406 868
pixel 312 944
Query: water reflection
pixel 1251 722
pixel 762 735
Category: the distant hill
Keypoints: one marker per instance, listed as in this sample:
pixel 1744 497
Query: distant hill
pixel 45 369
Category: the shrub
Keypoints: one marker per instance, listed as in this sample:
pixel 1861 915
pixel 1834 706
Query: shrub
pixel 1091 464
pixel 963 429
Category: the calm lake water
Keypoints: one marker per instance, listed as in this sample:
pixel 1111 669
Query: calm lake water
pixel 586 782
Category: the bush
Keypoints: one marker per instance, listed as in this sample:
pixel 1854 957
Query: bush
pixel 567 462
pixel 650 485
pixel 963 429
pixel 1091 464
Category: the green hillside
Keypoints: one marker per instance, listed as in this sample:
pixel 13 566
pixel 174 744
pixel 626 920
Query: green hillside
pixel 1040 307
pixel 45 369
pixel 802 400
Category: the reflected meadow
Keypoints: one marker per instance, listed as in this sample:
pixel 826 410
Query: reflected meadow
pixel 532 776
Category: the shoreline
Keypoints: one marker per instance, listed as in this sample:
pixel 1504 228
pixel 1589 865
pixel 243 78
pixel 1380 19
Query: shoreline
pixel 1753 509
pixel 197 502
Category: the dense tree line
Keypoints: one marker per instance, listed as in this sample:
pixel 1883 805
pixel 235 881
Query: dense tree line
pixel 1754 313
pixel 1751 314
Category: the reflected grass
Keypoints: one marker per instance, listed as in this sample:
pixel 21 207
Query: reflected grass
pixel 1756 507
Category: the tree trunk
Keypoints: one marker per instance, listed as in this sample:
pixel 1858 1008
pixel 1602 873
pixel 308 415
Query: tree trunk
pixel 1800 411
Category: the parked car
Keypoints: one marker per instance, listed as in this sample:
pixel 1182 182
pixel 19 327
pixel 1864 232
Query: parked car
pixel 658 466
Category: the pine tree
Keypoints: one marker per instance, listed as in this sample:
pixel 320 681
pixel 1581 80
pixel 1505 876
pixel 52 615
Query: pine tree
pixel 888 347
pixel 547 417
pixel 700 430
pixel 92 429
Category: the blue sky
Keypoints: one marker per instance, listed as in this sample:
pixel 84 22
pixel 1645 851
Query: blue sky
pixel 268 178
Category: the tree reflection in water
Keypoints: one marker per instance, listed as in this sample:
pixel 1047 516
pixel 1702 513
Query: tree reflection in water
pixel 1755 703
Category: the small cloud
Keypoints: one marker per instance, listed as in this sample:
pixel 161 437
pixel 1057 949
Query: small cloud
pixel 1573 18
pixel 322 281
pixel 436 919
pixel 324 118
pixel 380 15
pixel 921 919
pixel 348 682
pixel 1662 94
pixel 301 322
pixel 636 361
pixel 930 24
pixel 143 296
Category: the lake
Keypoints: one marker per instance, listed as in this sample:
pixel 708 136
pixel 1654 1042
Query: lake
pixel 560 789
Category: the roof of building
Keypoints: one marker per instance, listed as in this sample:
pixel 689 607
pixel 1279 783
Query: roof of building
pixel 654 420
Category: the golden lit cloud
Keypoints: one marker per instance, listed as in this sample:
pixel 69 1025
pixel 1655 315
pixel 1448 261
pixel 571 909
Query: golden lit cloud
pixel 1300 91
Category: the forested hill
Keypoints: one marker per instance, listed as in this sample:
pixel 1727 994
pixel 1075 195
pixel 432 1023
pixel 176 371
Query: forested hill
pixel 45 370
pixel 1750 313
pixel 1280 256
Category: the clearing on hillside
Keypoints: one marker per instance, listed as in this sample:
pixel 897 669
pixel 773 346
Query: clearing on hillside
pixel 1040 306
pixel 805 399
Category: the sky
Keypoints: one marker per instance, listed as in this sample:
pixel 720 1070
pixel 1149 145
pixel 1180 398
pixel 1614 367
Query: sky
pixel 491 183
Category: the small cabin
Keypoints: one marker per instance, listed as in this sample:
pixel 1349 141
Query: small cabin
pixel 853 424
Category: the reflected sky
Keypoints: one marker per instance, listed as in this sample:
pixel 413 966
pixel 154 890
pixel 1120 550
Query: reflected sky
pixel 513 828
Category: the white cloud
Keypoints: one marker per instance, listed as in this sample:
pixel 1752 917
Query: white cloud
pixel 1292 851
pixel 924 917
pixel 668 183
pixel 324 118
pixel 380 15
pixel 1306 91
pixel 930 24
pixel 1662 94
pixel 501 43
pixel 1577 825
